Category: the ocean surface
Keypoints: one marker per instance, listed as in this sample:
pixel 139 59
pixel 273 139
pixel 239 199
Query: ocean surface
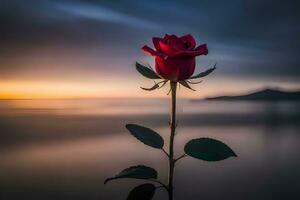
pixel 64 149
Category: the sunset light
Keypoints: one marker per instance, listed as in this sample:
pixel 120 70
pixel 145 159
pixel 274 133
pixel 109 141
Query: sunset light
pixel 93 89
pixel 149 99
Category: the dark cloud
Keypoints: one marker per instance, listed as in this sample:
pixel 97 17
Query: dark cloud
pixel 259 38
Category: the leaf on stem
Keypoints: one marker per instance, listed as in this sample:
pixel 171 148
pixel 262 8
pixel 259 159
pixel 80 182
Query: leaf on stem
pixel 146 135
pixel 142 192
pixel 185 84
pixel 163 83
pixel 205 73
pixel 208 149
pixel 195 82
pixel 136 172
pixel 145 71
pixel 155 86
pixel 169 91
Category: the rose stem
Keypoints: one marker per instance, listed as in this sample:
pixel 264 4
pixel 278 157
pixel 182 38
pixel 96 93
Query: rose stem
pixel 173 86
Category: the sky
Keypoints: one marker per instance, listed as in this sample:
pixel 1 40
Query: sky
pixel 74 49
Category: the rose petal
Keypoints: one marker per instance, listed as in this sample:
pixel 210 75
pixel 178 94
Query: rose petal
pixel 190 39
pixel 179 45
pixel 176 43
pixel 202 48
pixel 173 42
pixel 175 69
pixel 168 37
pixel 166 69
pixel 152 52
pixel 155 41
pixel 166 49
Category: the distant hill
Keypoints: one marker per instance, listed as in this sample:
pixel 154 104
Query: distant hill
pixel 262 95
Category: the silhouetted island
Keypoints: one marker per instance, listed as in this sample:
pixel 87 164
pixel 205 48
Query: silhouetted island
pixel 267 94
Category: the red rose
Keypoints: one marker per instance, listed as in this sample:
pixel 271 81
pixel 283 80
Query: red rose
pixel 175 56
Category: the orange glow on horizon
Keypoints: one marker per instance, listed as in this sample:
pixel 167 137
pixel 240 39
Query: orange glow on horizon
pixel 76 89
pixel 59 90
pixel 13 89
pixel 44 90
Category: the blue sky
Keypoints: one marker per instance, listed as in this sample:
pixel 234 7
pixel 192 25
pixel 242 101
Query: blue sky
pixel 89 41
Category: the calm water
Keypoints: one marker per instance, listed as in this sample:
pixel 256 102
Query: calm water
pixel 64 149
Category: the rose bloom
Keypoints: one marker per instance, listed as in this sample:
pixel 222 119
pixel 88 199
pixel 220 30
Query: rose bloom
pixel 175 56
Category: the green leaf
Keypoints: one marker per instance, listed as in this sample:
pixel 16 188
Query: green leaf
pixel 146 135
pixel 205 73
pixel 142 192
pixel 145 71
pixel 208 149
pixel 136 172
pixel 156 86
pixel 185 84
pixel 163 83
pixel 196 82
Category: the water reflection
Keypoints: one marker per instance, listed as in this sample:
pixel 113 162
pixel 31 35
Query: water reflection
pixel 50 151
